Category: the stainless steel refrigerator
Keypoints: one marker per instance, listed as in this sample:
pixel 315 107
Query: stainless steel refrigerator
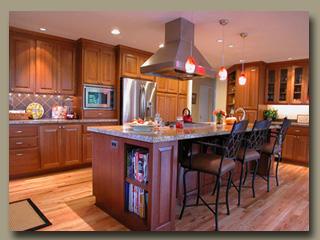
pixel 138 100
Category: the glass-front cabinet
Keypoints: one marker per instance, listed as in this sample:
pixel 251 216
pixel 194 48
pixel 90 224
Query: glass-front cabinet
pixel 300 85
pixel 271 80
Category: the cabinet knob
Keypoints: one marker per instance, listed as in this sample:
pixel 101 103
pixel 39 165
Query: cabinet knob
pixel 298 137
pixel 11 89
pixel 99 114
pixel 55 91
pixel 19 131
pixel 19 143
pixel 59 126
pixel 64 127
pixel 59 91
pixel 19 154
pixel 297 131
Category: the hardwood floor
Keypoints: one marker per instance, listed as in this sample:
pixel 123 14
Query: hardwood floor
pixel 66 200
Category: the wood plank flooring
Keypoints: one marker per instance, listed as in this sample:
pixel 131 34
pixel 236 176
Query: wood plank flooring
pixel 66 200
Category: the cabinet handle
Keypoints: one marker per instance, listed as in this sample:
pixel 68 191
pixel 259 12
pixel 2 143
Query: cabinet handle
pixel 59 126
pixel 19 143
pixel 297 130
pixel 298 137
pixel 64 127
pixel 19 131
pixel 11 89
pixel 99 114
pixel 55 91
pixel 19 154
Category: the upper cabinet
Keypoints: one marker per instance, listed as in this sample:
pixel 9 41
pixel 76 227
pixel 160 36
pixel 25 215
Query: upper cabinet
pixel 167 85
pixel 98 63
pixel 131 61
pixel 287 82
pixel 22 63
pixel 41 64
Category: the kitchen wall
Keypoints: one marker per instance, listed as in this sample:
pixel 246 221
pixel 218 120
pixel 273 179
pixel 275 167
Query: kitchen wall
pixel 195 108
pixel 290 111
pixel 20 101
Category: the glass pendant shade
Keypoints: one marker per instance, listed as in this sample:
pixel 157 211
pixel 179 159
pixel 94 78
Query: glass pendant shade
pixel 223 73
pixel 190 65
pixel 242 79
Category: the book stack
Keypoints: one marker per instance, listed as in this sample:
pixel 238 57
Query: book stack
pixel 137 164
pixel 136 200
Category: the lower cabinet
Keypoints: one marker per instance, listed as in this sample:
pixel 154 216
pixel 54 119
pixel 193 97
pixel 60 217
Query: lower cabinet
pixel 167 106
pixel 296 145
pixel 60 145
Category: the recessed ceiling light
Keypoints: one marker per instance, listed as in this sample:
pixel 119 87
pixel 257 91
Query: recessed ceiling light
pixel 219 40
pixel 289 58
pixel 230 45
pixel 43 29
pixel 242 60
pixel 115 31
pixel 161 46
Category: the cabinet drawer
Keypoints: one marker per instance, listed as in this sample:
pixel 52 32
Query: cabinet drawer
pixel 98 114
pixel 25 160
pixel 304 131
pixel 16 143
pixel 29 131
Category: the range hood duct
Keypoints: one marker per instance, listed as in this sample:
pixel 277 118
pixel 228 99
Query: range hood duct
pixel 169 61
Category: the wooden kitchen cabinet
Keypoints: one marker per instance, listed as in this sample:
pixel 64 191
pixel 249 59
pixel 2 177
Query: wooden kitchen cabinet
pixel 131 61
pixel 22 64
pixel 167 106
pixel 182 104
pixel 183 87
pixel 98 64
pixel 296 145
pixel 300 84
pixel 60 145
pixel 167 85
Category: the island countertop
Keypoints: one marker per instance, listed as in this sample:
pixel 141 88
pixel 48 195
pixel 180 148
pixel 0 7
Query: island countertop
pixel 165 134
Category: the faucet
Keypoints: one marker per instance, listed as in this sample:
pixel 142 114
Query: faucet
pixel 244 114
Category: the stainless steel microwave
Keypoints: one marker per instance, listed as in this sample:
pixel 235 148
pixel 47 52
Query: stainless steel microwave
pixel 98 97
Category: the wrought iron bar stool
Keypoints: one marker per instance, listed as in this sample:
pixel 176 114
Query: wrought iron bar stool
pixel 274 149
pixel 217 165
pixel 251 152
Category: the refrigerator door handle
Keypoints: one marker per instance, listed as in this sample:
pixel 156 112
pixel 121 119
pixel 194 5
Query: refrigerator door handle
pixel 142 103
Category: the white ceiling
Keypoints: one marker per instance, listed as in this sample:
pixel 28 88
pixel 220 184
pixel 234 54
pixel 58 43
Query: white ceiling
pixel 273 35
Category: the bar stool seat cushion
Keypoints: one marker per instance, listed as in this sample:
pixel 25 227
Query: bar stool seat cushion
pixel 250 155
pixel 267 148
pixel 209 163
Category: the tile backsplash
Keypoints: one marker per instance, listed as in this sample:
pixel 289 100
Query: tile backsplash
pixel 20 101
pixel 291 111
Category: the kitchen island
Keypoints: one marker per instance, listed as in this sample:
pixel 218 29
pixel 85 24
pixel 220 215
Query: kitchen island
pixel 110 147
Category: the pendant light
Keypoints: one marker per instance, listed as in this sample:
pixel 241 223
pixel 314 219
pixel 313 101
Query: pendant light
pixel 223 73
pixel 242 77
pixel 190 64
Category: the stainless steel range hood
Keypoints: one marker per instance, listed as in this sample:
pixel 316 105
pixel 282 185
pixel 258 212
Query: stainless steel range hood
pixel 169 61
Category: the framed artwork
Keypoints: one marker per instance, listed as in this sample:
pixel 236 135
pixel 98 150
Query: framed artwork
pixel 194 98
pixel 303 118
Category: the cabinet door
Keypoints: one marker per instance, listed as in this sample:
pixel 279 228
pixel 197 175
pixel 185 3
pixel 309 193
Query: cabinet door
pixel 50 147
pixel 172 85
pixel 251 88
pixel 91 66
pixel 283 85
pixel 288 147
pixel 302 148
pixel 46 67
pixel 22 64
pixel 108 76
pixel 87 147
pixel 270 86
pixel 183 87
pixel 142 60
pixel 66 69
pixel 299 85
pixel 182 103
pixel 161 106
pixel 71 144
pixel 171 105
pixel 161 84
pixel 130 64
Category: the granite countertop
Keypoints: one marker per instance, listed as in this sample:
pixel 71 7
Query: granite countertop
pixel 63 121
pixel 165 134
pixel 293 124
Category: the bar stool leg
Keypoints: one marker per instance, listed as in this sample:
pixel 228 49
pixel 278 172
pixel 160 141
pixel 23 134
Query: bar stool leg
pixel 240 183
pixel 199 186
pixel 228 188
pixel 215 187
pixel 254 177
pixel 217 202
pixel 268 179
pixel 245 177
pixel 185 194
pixel 279 157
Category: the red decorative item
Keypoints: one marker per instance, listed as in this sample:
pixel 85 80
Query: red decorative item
pixel 242 79
pixel 190 65
pixel 223 73
pixel 187 117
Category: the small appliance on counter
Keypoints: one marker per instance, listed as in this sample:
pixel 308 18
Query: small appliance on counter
pixel 59 112
pixel 187 117
pixel 70 114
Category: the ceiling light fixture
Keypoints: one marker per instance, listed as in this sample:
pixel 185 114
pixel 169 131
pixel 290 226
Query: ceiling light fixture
pixel 115 32
pixel 289 58
pixel 230 46
pixel 242 77
pixel 43 29
pixel 223 73
pixel 161 46
pixel 219 40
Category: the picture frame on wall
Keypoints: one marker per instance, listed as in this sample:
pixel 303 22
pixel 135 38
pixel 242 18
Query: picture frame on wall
pixel 303 118
pixel 194 98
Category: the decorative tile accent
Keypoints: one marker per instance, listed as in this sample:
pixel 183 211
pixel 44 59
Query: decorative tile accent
pixel 20 101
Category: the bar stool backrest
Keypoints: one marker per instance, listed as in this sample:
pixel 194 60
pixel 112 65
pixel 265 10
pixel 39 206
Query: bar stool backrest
pixel 258 135
pixel 235 139
pixel 283 132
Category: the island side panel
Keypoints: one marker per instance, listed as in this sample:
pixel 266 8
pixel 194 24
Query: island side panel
pixel 164 182
pixel 108 174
